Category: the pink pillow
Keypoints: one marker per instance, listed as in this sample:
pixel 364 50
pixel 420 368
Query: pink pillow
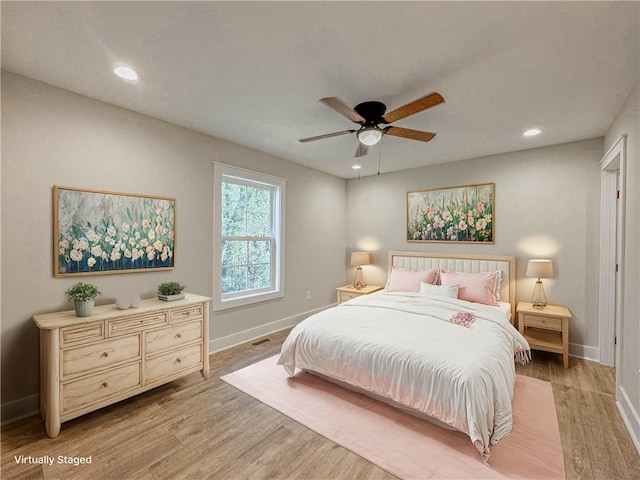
pixel 474 287
pixel 403 280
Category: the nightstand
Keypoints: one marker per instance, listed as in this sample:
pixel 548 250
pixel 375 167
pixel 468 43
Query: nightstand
pixel 349 291
pixel 545 328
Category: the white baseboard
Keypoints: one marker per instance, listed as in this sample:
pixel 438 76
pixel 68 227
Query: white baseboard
pixel 25 407
pixel 253 333
pixel 19 409
pixel 629 415
pixel 28 406
pixel 585 352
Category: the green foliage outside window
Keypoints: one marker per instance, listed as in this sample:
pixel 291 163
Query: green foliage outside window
pixel 246 237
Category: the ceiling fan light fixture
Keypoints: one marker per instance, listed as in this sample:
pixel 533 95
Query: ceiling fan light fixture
pixel 369 135
pixel 356 166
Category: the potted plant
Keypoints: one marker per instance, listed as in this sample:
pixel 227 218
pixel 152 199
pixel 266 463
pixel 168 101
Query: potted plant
pixel 169 291
pixel 83 296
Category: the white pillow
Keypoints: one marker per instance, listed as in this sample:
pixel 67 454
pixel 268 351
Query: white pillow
pixel 448 291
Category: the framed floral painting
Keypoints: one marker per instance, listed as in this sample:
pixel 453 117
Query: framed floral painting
pixel 455 214
pixel 99 232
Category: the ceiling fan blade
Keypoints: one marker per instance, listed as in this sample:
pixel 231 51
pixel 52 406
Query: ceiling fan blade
pixel 408 133
pixel 362 150
pixel 339 106
pixel 327 135
pixel 414 107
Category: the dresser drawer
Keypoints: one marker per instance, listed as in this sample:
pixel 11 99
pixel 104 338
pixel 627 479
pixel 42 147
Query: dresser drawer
pixel 135 324
pixel 543 322
pixel 169 363
pixel 91 390
pixel 170 337
pixel 81 334
pixel 192 312
pixel 99 355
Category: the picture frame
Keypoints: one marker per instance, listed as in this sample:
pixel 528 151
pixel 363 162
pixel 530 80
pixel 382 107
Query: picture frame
pixel 98 232
pixel 461 214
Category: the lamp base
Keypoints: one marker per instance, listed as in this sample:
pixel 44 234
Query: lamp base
pixel 358 280
pixel 539 299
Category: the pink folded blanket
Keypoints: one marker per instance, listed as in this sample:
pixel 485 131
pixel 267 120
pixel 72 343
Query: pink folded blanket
pixel 462 318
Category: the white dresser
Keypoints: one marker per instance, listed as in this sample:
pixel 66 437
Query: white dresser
pixel 88 363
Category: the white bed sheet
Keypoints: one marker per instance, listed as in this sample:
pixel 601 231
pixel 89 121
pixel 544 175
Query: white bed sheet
pixel 403 347
pixel 505 309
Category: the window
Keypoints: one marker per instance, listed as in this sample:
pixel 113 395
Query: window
pixel 248 237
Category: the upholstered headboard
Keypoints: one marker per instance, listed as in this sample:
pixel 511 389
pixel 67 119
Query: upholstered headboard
pixel 467 263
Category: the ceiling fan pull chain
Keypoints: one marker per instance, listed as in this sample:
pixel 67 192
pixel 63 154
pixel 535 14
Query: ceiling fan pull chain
pixel 379 156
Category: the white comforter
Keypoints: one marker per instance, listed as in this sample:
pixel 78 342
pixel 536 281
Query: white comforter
pixel 403 346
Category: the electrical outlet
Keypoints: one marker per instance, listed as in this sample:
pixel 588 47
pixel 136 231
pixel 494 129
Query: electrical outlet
pixel 308 294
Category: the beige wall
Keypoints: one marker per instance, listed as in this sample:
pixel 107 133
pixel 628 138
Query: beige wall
pixel 53 137
pixel 628 390
pixel 547 205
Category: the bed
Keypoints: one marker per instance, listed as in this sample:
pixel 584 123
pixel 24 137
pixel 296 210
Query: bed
pixel 413 349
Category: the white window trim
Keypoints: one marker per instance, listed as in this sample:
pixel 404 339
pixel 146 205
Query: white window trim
pixel 220 170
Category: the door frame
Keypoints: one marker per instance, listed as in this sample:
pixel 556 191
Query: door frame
pixel 612 216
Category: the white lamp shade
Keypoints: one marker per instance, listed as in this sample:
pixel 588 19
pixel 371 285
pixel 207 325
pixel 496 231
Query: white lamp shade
pixel 360 258
pixel 540 268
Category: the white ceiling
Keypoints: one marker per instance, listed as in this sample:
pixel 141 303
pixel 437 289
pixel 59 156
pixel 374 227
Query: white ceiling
pixel 252 73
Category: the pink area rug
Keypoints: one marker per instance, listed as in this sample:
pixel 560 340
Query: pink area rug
pixel 403 445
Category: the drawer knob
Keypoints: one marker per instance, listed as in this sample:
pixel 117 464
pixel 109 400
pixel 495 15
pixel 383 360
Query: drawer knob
pixel 105 384
pixel 105 354
pixel 178 335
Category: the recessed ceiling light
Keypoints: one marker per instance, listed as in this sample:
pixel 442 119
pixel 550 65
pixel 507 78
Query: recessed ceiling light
pixel 126 73
pixel 532 132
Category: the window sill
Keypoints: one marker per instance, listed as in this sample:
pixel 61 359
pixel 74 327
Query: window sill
pixel 219 304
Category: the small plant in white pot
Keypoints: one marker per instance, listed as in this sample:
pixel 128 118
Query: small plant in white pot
pixel 169 291
pixel 83 295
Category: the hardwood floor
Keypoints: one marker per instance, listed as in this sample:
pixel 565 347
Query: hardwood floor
pixel 196 429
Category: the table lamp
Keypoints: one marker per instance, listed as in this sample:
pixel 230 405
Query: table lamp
pixel 358 259
pixel 539 268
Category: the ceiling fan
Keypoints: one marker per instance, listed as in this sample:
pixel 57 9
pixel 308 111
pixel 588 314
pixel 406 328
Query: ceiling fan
pixel 369 115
